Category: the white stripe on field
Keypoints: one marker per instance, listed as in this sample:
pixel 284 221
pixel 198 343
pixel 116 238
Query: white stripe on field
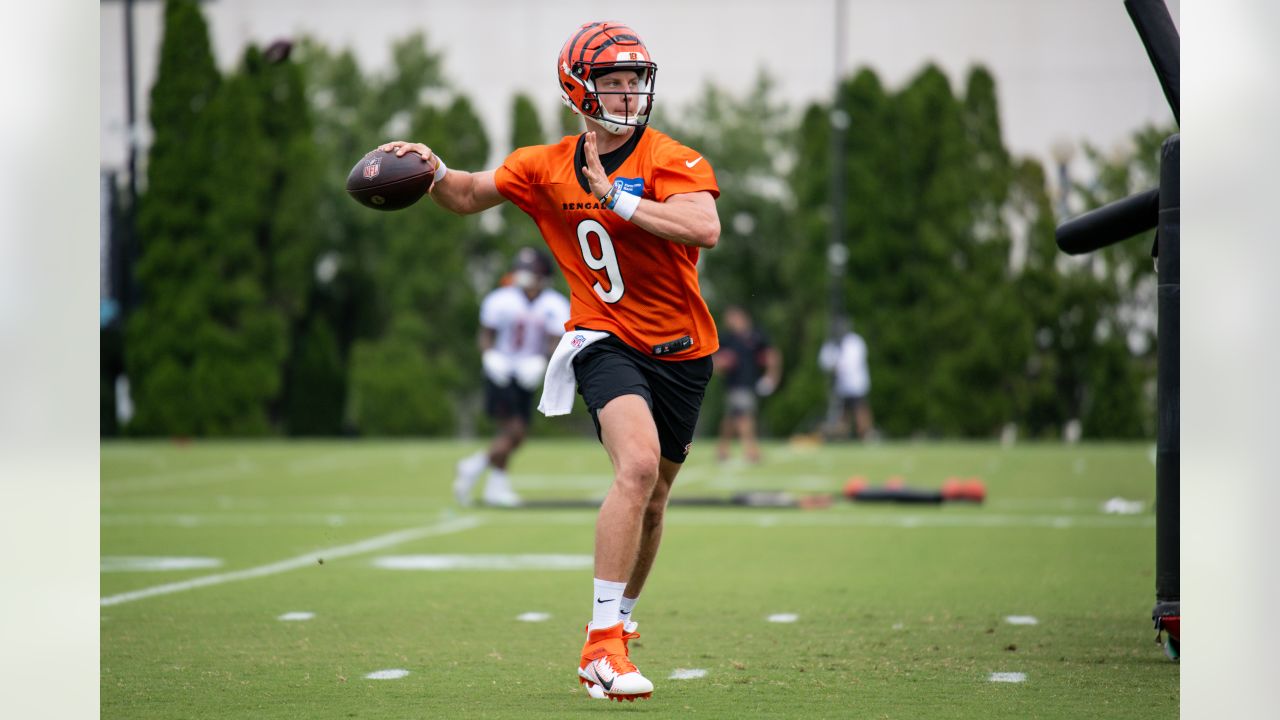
pixel 484 562
pixel 687 674
pixel 297 616
pixel 364 546
pixel 1022 620
pixel 1009 677
pixel 188 477
pixel 137 563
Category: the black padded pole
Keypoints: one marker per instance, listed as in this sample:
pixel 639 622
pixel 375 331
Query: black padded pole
pixel 1109 224
pixel 1160 37
pixel 1167 378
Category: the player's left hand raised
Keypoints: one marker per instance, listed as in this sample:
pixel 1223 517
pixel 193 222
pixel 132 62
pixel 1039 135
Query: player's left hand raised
pixel 596 177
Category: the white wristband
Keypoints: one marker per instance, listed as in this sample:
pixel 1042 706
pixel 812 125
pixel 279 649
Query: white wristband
pixel 441 170
pixel 626 204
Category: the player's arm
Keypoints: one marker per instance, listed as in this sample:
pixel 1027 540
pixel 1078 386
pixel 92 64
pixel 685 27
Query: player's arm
pixel 772 371
pixel 459 191
pixel 687 218
pixel 497 366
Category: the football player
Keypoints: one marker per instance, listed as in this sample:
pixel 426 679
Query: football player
pixel 519 325
pixel 625 210
pixel 752 368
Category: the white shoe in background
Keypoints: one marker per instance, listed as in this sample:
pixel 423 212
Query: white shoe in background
pixel 502 496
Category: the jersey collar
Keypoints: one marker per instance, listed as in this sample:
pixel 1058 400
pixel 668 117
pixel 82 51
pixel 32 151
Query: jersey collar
pixel 611 160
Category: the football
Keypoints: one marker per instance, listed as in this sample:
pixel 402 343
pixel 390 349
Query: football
pixel 383 181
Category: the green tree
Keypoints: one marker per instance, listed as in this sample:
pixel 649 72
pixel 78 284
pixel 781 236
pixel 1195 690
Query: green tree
pixel 291 242
pixel 1116 397
pixel 160 346
pixel 243 337
pixel 570 121
pixel 393 280
pixel 518 229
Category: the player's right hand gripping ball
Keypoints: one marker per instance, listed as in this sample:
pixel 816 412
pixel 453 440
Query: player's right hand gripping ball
pixel 383 181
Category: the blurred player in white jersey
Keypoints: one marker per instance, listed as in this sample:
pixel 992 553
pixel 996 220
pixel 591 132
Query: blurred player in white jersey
pixel 520 325
pixel 846 358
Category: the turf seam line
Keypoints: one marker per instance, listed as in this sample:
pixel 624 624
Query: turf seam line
pixel 369 545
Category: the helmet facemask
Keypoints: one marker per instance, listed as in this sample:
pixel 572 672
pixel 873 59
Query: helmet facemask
pixel 638 103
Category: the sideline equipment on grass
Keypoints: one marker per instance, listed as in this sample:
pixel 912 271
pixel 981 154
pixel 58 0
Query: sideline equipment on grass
pixel 857 489
pixel 753 499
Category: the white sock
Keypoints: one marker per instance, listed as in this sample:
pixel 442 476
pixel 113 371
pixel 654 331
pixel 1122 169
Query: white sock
pixel 625 606
pixel 498 479
pixel 604 603
pixel 475 464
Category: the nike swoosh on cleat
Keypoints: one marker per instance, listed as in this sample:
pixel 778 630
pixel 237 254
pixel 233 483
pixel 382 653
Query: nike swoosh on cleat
pixel 606 684
pixel 690 164
pixel 604 601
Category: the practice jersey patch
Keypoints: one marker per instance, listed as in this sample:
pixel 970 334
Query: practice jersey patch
pixel 630 186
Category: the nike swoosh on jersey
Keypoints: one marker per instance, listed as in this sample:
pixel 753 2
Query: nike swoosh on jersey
pixel 691 163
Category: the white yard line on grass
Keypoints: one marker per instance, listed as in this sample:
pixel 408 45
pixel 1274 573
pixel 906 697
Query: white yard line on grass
pixel 1022 620
pixel 189 477
pixel 483 562
pixel 357 548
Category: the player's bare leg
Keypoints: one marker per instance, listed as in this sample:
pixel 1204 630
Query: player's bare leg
pixel 498 490
pixel 511 433
pixel 631 439
pixel 727 430
pixel 863 415
pixel 651 530
pixel 747 432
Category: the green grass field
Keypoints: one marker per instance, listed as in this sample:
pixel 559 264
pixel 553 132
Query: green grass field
pixel 901 611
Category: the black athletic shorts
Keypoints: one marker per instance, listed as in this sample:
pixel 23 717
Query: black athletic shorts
pixel 502 403
pixel 673 389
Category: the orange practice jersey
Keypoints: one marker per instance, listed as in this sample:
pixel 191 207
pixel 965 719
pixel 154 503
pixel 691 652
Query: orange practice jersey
pixel 623 280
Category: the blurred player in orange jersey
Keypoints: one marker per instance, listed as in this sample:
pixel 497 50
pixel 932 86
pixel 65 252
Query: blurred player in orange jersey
pixel 625 211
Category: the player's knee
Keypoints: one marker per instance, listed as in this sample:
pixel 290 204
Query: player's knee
pixel 637 473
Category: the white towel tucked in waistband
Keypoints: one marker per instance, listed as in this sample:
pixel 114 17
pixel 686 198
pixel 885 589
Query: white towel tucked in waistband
pixel 560 383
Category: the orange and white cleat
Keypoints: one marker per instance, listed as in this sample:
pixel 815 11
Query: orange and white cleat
pixel 605 668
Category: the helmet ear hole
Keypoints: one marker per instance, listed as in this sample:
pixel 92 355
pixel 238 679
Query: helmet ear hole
pixel 588 106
